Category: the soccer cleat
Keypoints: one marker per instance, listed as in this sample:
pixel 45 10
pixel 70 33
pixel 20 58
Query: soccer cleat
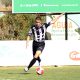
pixel 26 69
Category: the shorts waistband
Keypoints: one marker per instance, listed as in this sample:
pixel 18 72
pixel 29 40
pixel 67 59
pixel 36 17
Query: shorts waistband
pixel 38 41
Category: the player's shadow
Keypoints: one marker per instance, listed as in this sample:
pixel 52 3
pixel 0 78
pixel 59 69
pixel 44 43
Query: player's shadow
pixel 24 73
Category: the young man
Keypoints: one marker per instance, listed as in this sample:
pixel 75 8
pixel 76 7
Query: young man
pixel 38 31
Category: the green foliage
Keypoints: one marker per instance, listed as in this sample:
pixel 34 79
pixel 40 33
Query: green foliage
pixel 6 2
pixel 78 30
pixel 48 36
pixel 16 26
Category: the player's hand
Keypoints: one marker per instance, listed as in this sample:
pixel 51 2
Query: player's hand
pixel 52 22
pixel 27 44
pixel 55 19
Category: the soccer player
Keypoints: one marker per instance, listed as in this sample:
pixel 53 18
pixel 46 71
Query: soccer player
pixel 38 31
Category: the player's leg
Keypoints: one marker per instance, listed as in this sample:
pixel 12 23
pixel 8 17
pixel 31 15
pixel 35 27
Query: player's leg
pixel 34 52
pixel 38 53
pixel 39 60
pixel 34 47
pixel 41 49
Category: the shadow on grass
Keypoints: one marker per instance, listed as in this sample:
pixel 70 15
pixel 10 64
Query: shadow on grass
pixel 19 73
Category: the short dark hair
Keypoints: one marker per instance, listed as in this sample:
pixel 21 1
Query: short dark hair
pixel 38 18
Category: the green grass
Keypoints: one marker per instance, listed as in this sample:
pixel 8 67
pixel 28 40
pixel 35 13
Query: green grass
pixel 50 73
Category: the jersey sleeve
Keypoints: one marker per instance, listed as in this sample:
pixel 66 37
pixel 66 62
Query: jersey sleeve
pixel 47 24
pixel 30 32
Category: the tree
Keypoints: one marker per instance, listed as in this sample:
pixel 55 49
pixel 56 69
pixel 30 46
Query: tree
pixel 17 23
pixel 6 2
pixel 78 30
pixel 16 26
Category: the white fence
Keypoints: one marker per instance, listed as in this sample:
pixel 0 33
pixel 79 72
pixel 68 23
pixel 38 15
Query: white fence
pixel 15 53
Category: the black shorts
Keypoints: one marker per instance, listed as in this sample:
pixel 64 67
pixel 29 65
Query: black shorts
pixel 37 46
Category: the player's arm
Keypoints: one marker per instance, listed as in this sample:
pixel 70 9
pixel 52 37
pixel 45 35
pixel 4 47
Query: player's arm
pixel 28 37
pixel 54 20
pixel 27 41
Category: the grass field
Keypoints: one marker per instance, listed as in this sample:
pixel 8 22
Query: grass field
pixel 50 73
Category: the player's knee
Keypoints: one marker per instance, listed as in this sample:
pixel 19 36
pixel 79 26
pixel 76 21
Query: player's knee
pixel 37 54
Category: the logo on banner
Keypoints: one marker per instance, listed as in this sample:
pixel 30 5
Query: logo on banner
pixel 74 55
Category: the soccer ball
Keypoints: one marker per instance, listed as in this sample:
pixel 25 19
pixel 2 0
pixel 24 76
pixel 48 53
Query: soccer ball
pixel 39 70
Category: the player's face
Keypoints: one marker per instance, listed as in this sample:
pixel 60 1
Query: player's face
pixel 38 23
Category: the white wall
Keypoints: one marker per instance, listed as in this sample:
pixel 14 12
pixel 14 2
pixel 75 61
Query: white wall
pixel 15 53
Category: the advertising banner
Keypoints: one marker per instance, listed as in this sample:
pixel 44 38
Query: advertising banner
pixel 45 6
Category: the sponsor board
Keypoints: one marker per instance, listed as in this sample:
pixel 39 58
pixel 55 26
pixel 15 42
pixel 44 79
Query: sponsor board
pixel 15 53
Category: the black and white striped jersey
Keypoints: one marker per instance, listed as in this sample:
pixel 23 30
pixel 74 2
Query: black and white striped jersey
pixel 38 32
